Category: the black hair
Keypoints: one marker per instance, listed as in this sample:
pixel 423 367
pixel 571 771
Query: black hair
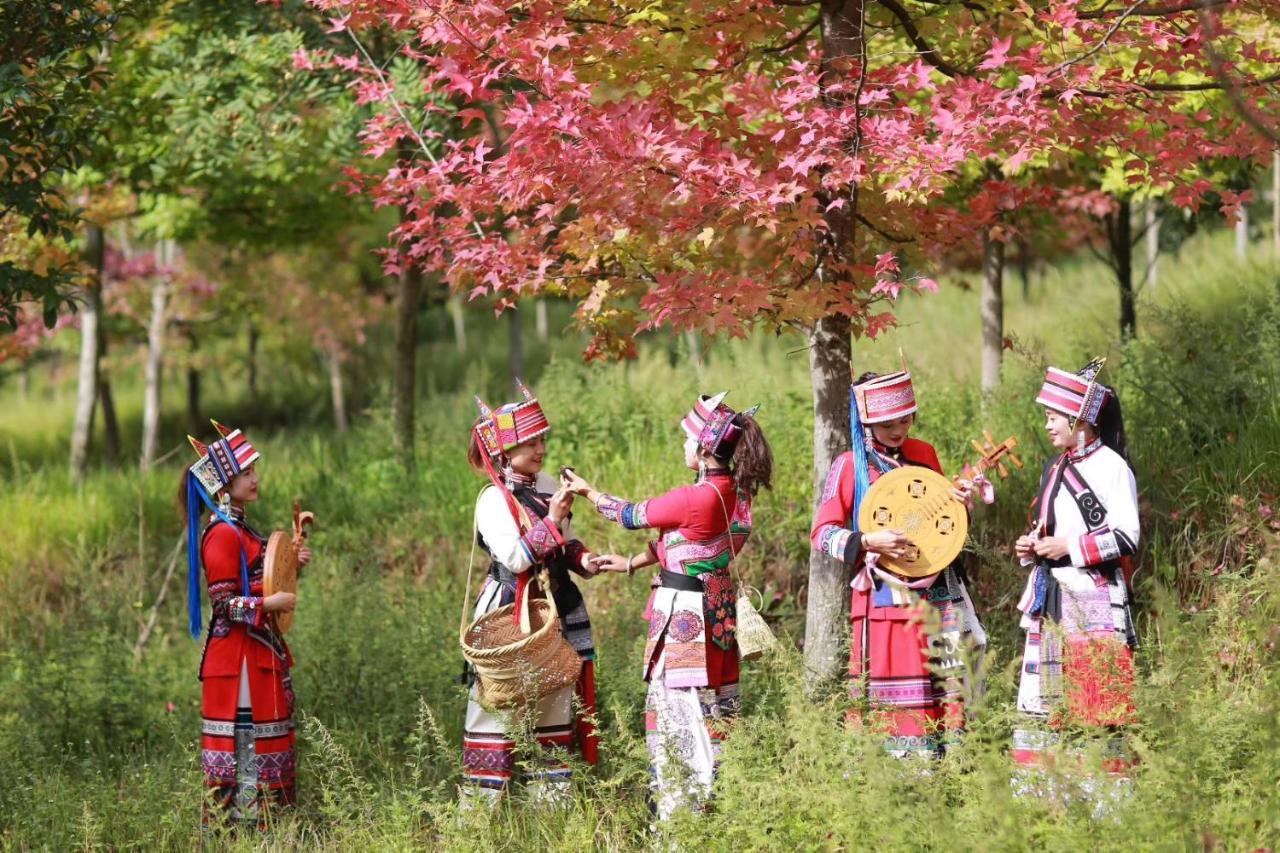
pixel 751 456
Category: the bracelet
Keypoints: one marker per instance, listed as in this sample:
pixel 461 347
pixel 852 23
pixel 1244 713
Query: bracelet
pixel 631 569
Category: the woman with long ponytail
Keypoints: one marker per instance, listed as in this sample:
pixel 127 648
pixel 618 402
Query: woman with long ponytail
pixel 691 657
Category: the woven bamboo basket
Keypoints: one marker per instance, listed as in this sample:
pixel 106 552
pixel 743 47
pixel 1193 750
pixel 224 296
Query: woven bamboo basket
pixel 755 637
pixel 520 662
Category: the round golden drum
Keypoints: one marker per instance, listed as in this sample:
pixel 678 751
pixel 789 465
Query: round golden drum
pixel 280 573
pixel 916 502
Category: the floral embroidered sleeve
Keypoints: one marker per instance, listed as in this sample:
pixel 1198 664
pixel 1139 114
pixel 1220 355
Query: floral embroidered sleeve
pixel 668 510
pixel 517 551
pixel 221 554
pixel 829 534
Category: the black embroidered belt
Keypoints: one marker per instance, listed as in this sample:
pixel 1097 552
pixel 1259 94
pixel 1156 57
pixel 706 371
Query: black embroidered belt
pixel 680 581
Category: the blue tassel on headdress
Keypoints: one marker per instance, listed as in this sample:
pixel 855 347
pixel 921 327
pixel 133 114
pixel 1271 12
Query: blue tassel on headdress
pixel 196 496
pixel 861 473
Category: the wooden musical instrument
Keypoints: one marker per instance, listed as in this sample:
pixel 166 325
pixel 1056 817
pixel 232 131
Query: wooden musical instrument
pixel 280 565
pixel 917 502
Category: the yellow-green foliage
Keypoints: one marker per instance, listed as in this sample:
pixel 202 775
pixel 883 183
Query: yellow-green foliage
pixel 92 756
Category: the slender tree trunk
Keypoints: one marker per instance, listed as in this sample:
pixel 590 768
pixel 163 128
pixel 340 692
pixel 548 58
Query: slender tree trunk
pixel 829 367
pixel 154 372
pixel 1120 238
pixel 827 607
pixel 408 300
pixel 111 445
pixel 992 307
pixel 694 342
pixel 1275 202
pixel 255 335
pixel 1242 234
pixel 194 424
pixel 515 344
pixel 87 377
pixel 1024 267
pixel 459 322
pixel 1151 215
pixel 540 319
pixel 336 389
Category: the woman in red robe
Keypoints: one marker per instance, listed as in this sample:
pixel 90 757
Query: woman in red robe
pixel 895 665
pixel 247 743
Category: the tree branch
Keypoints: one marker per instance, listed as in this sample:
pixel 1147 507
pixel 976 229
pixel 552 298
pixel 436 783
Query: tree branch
pixel 796 39
pixel 1218 66
pixel 1155 12
pixel 888 235
pixel 927 52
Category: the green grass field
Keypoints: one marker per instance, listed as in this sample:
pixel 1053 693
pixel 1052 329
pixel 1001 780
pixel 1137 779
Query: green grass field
pixel 99 744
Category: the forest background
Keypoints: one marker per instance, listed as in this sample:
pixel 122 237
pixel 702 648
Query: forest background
pixel 219 210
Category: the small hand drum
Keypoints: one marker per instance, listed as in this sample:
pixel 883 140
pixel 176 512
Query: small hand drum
pixel 280 565
pixel 917 502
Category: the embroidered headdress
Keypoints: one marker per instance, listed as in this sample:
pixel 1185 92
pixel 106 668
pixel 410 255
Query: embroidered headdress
pixel 219 462
pixel 712 424
pixel 512 424
pixel 885 398
pixel 1079 396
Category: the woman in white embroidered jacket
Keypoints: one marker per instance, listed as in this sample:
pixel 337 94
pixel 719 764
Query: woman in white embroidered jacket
pixel 513 439
pixel 1078 662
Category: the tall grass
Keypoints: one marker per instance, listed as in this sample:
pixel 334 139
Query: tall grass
pixel 99 747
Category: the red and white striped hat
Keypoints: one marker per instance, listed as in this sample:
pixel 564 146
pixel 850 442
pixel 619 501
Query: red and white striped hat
pixel 223 459
pixel 1079 396
pixel 512 424
pixel 885 398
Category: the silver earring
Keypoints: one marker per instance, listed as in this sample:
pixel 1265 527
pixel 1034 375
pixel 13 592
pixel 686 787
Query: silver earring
pixel 224 503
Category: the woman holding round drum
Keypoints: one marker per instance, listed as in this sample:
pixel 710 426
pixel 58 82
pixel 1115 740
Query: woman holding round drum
pixel 247 745
pixel 918 698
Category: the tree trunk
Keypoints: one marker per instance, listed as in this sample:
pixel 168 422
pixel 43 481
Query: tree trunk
pixel 194 424
pixel 1120 238
pixel 154 372
pixel 1242 234
pixel 459 322
pixel 1152 224
pixel 829 368
pixel 408 300
pixel 1024 267
pixel 827 608
pixel 336 389
pixel 110 423
pixel 1275 202
pixel 694 343
pixel 515 345
pixel 255 335
pixel 540 319
pixel 992 307
pixel 87 377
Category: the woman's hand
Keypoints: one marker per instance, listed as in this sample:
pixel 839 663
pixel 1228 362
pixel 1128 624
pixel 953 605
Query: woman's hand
pixel 1024 548
pixel 889 543
pixel 587 563
pixel 610 563
pixel 572 482
pixel 962 490
pixel 280 602
pixel 304 557
pixel 1052 547
pixel 558 506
